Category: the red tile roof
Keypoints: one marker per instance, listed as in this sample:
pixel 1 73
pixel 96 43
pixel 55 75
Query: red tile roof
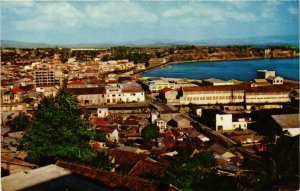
pixel 100 122
pixel 111 179
pixel 145 168
pixel 106 130
pixel 10 160
pixel 169 143
pixel 17 90
pixel 240 87
pixel 126 157
pixel 76 82
pixel 164 90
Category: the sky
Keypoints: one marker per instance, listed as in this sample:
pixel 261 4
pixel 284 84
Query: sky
pixel 70 22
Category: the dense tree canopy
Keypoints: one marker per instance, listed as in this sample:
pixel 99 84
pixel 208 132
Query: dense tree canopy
pixel 20 122
pixel 196 173
pixel 150 132
pixel 58 132
pixel 286 157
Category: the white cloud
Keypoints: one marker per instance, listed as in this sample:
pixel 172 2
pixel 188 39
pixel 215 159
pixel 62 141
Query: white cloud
pixel 118 13
pixel 232 11
pixel 45 16
pixel 268 9
pixel 293 10
pixel 61 15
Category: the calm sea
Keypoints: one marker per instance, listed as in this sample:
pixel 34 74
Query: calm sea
pixel 240 70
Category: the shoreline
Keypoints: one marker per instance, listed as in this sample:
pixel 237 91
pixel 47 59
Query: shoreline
pixel 212 60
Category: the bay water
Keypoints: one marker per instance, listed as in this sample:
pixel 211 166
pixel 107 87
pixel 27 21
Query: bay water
pixel 239 69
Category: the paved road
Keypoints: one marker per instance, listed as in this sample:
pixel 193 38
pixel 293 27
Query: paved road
pixel 162 107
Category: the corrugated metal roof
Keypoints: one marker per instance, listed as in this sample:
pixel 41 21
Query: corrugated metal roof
pixel 287 120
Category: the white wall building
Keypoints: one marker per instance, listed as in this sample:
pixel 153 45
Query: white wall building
pixel 161 124
pixel 208 95
pixel 275 80
pixel 264 74
pixel 102 112
pixel 224 122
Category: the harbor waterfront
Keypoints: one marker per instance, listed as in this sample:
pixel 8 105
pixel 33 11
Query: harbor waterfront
pixel 237 69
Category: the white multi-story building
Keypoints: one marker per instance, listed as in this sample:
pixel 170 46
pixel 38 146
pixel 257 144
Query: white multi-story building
pixel 45 74
pixel 243 94
pixel 132 92
pixel 205 95
pixel 118 93
pixel 267 94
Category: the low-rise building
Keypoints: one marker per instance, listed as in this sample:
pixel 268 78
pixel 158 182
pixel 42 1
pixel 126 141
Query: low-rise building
pixel 102 112
pixel 216 82
pixel 161 124
pixel 225 122
pixel 111 133
pixel 156 85
pixel 169 95
pixel 289 123
pixel 89 96
pixel 140 66
pixel 275 80
pixel 157 61
pixel 264 74
pixel 179 122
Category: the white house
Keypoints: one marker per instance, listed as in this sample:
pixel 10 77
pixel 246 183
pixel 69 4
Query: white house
pixel 102 112
pixel 275 80
pixel 225 122
pixel 264 74
pixel 169 95
pixel 111 133
pixel 161 124
pixel 132 92
pixel 154 116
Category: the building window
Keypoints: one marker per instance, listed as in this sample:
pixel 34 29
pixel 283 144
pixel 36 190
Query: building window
pixel 221 118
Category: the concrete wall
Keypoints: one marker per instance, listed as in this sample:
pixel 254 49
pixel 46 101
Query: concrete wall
pixel 223 122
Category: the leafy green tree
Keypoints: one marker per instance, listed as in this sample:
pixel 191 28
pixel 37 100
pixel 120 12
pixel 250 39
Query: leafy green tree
pixel 196 173
pixel 150 132
pixel 98 136
pixel 286 157
pixel 20 122
pixel 58 132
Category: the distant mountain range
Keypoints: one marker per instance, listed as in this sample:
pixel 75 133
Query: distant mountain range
pixel 291 40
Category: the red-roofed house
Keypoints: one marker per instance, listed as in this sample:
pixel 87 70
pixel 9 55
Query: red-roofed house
pixel 13 96
pixel 17 91
pixel 111 133
pixel 100 122
pixel 76 84
pixel 169 95
pixel 126 158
